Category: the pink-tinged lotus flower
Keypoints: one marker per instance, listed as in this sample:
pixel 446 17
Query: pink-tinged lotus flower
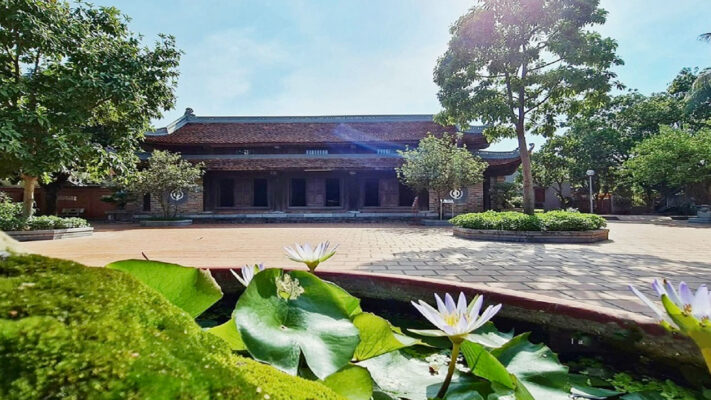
pixel 684 311
pixel 248 273
pixel 457 320
pixel 311 256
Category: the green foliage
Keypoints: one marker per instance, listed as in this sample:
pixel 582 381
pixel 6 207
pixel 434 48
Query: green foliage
pixel 671 160
pixel 516 221
pixel 440 165
pixel 518 66
pixel 505 195
pixel 282 316
pixel 229 333
pixel 414 374
pixel 54 222
pixel 377 337
pixel 193 290
pixel 666 389
pixel 68 331
pixel 78 88
pixel 11 218
pixel 550 168
pixel 10 214
pixel 166 172
pixel 507 220
pixel 351 382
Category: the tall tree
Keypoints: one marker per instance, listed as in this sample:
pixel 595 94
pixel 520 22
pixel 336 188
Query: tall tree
pixel 518 65
pixel 672 160
pixel 550 168
pixel 77 90
pixel 440 165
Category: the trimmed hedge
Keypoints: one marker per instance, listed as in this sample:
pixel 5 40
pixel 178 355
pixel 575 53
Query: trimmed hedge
pixel 69 331
pixel 517 221
pixel 11 219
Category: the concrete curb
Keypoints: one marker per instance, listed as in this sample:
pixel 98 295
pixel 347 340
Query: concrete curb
pixel 159 224
pixel 50 234
pixel 593 236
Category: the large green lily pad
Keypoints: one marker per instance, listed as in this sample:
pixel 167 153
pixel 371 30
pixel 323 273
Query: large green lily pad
pixel 351 382
pixel 192 289
pixel 408 374
pixel 229 333
pixel 539 375
pixel 311 319
pixel 378 337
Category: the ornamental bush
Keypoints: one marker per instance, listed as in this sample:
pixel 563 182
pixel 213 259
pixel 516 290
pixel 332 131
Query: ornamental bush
pixel 11 218
pixel 10 214
pixel 516 221
pixel 69 331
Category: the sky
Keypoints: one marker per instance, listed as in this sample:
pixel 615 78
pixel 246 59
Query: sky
pixel 299 57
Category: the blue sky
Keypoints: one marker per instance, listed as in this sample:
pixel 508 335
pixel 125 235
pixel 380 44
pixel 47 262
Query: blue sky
pixel 368 56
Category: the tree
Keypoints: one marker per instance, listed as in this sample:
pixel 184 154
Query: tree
pixel 77 90
pixel 549 168
pixel 440 165
pixel 518 65
pixel 672 160
pixel 167 174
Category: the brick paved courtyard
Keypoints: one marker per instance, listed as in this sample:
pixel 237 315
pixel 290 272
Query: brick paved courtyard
pixel 596 274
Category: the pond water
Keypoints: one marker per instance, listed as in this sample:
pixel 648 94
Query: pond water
pixel 583 353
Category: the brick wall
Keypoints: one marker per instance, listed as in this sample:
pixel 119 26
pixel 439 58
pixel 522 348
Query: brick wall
pixel 474 203
pixel 193 205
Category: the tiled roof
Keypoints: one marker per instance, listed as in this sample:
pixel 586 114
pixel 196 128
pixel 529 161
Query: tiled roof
pixel 253 131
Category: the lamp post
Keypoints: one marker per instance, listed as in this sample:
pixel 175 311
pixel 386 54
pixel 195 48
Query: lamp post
pixel 590 174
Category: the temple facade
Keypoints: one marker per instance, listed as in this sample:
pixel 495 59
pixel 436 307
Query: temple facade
pixel 317 164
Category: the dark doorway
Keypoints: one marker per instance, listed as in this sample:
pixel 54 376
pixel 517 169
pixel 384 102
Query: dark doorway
pixel 260 193
pixel 371 196
pixel 333 192
pixel 227 193
pixel 147 202
pixel 298 193
pixel 406 196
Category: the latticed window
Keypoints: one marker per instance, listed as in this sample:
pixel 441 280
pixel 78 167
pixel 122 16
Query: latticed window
pixel 316 152
pixel 385 151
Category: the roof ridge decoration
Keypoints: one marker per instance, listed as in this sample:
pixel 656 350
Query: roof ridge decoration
pixel 190 117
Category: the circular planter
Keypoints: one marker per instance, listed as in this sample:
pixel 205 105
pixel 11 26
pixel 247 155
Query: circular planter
pixel 597 235
pixel 436 222
pixel 157 223
pixel 50 234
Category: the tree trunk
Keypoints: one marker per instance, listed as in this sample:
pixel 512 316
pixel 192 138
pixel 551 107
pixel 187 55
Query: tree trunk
pixel 528 193
pixel 28 196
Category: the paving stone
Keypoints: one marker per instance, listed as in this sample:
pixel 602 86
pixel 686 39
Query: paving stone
pixel 596 274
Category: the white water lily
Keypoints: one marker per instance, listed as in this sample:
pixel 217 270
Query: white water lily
pixel 311 256
pixel 247 273
pixel 457 320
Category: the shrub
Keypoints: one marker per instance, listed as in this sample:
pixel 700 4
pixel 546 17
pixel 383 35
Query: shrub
pixel 11 218
pixel 506 195
pixel 10 214
pixel 506 220
pixel 516 221
pixel 68 331
pixel 54 222
pixel 571 221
